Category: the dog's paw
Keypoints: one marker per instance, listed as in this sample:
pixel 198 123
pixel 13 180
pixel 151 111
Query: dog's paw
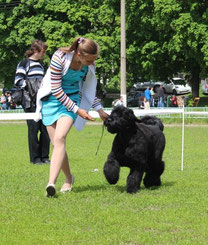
pixel 133 184
pixel 150 181
pixel 111 171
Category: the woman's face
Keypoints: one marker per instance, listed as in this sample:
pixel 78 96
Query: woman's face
pixel 87 59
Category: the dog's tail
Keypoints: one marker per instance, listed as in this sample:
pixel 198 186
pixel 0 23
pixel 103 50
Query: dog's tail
pixel 152 120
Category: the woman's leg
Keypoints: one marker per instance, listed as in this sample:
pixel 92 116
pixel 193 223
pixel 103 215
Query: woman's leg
pixel 67 173
pixel 59 159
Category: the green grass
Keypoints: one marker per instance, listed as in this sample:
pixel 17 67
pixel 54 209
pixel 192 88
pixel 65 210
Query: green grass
pixel 95 212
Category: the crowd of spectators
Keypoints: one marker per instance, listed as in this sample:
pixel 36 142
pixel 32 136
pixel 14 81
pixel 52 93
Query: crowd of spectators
pixel 159 99
pixel 150 99
pixel 6 101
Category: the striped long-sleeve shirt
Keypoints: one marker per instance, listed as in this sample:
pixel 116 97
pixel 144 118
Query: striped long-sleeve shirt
pixel 56 67
pixel 28 68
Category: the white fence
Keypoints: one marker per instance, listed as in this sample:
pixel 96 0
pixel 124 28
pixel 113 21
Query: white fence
pixel 167 112
pixel 182 112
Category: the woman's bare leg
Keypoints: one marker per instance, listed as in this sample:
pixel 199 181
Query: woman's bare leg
pixel 59 159
pixel 66 170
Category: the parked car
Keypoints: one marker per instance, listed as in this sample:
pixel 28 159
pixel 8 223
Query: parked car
pixel 144 85
pixel 133 98
pixel 177 86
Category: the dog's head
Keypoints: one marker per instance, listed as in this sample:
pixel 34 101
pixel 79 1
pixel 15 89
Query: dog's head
pixel 121 119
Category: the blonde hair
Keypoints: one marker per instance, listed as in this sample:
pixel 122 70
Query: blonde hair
pixel 85 46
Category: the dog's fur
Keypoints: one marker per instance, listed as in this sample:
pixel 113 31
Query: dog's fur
pixel 139 145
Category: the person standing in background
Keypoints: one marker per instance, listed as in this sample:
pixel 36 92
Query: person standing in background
pixel 161 95
pixel 31 67
pixel 119 102
pixel 3 101
pixel 152 102
pixel 147 94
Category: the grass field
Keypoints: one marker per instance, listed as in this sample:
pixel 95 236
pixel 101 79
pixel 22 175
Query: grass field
pixel 95 212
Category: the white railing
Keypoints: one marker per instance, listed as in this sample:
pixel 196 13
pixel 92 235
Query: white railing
pixel 196 112
pixel 166 112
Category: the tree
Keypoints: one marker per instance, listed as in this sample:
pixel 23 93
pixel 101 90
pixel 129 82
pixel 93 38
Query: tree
pixel 57 22
pixel 170 36
pixel 164 37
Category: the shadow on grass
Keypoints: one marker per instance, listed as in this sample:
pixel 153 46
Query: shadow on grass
pixel 122 189
pixel 165 184
pixel 168 183
pixel 119 188
pixel 90 188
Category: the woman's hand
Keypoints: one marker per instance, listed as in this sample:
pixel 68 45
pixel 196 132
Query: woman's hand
pixel 103 115
pixel 84 114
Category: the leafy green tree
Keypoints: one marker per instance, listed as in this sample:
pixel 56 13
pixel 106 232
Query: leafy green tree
pixel 170 36
pixel 163 37
pixel 57 22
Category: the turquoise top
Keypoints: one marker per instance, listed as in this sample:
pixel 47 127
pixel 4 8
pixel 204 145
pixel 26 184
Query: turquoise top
pixel 52 109
pixel 70 81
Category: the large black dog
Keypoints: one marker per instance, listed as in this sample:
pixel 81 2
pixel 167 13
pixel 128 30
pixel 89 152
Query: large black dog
pixel 139 145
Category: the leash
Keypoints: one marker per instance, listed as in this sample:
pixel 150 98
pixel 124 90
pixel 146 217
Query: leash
pixel 100 140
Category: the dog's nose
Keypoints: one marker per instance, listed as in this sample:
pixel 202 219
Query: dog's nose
pixel 107 121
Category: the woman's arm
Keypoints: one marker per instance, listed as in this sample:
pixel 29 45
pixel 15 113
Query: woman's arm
pixel 103 115
pixel 56 68
pixel 20 75
pixel 98 107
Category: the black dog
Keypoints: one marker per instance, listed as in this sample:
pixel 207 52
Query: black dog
pixel 139 145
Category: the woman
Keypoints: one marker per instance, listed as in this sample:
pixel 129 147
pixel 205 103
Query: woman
pixel 146 104
pixel 31 67
pixel 70 83
pixel 174 101
pixel 152 102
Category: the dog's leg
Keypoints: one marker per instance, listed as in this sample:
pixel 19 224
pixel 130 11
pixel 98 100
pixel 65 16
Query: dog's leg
pixel 111 170
pixel 153 178
pixel 134 180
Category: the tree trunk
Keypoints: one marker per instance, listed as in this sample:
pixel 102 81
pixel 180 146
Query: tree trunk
pixel 195 80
